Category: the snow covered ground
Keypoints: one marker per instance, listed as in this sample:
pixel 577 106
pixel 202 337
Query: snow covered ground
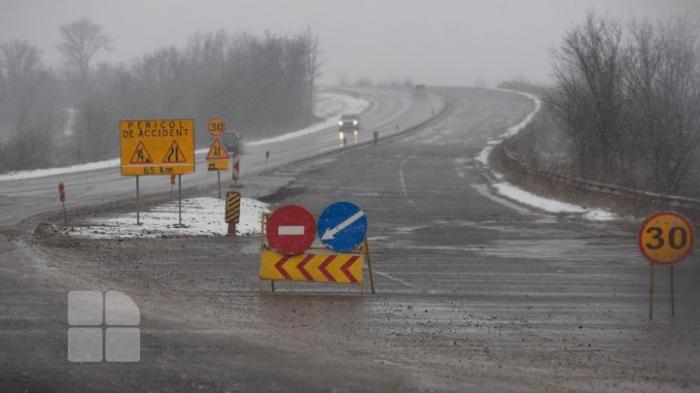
pixel 328 106
pixel 202 216
pixel 511 192
pixel 519 195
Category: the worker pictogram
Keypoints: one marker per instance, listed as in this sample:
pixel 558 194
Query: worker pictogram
pixel 141 155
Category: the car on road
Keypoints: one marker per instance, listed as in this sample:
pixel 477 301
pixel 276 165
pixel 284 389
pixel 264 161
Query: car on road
pixel 348 124
pixel 233 141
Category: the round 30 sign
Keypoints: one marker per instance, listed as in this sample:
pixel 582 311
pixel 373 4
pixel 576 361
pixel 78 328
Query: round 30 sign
pixel 666 238
pixel 216 127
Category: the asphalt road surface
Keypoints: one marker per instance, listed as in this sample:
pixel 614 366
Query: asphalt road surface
pixel 390 111
pixel 474 293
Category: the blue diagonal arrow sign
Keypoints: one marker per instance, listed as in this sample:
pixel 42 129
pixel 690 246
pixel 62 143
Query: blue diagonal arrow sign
pixel 342 226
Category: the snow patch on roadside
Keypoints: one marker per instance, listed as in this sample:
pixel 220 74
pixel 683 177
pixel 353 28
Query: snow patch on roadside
pixel 511 192
pixel 519 195
pixel 36 173
pixel 328 106
pixel 203 217
pixel 483 157
pixel 520 126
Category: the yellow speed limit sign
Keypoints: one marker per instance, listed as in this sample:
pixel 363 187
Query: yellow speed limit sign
pixel 216 127
pixel 666 238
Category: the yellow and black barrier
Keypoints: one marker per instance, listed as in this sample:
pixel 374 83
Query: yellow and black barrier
pixel 233 211
pixel 316 264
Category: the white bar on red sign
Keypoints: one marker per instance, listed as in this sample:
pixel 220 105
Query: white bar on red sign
pixel 290 230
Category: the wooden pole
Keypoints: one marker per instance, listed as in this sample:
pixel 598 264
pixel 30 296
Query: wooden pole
pixel 369 266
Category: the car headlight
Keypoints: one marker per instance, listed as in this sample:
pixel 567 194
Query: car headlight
pixel 340 123
pixel 342 136
pixel 354 123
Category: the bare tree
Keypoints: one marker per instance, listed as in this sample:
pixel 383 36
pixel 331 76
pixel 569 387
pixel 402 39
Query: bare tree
pixel 632 108
pixel 20 65
pixel 27 106
pixel 588 101
pixel 81 41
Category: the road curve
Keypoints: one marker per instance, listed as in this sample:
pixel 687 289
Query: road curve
pixel 391 111
pixel 475 293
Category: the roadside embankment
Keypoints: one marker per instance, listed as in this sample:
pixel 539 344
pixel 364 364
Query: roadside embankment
pixel 538 161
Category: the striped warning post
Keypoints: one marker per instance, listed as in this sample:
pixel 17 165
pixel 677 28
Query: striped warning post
pixel 233 207
pixel 340 268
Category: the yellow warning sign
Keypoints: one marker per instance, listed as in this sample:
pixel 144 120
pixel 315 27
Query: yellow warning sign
pixel 217 151
pixel 157 147
pixel 217 158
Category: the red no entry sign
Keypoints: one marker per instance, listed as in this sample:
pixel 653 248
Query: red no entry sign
pixel 291 229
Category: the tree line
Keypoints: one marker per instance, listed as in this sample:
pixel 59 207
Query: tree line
pixel 261 84
pixel 627 97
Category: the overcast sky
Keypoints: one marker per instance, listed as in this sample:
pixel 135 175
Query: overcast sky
pixel 439 42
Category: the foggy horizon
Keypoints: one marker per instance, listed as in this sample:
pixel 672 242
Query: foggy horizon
pixel 439 43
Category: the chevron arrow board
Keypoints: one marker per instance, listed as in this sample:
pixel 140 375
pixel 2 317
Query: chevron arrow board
pixel 340 268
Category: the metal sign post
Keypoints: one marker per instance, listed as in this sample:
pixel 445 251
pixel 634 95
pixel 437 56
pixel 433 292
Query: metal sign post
pixel 138 203
pixel 172 186
pixel 179 201
pixel 218 183
pixel 673 297
pixel 62 197
pixel 267 157
pixel 375 138
pixel 651 291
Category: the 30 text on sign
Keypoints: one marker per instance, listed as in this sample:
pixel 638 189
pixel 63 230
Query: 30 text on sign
pixel 157 147
pixel 666 238
pixel 216 127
